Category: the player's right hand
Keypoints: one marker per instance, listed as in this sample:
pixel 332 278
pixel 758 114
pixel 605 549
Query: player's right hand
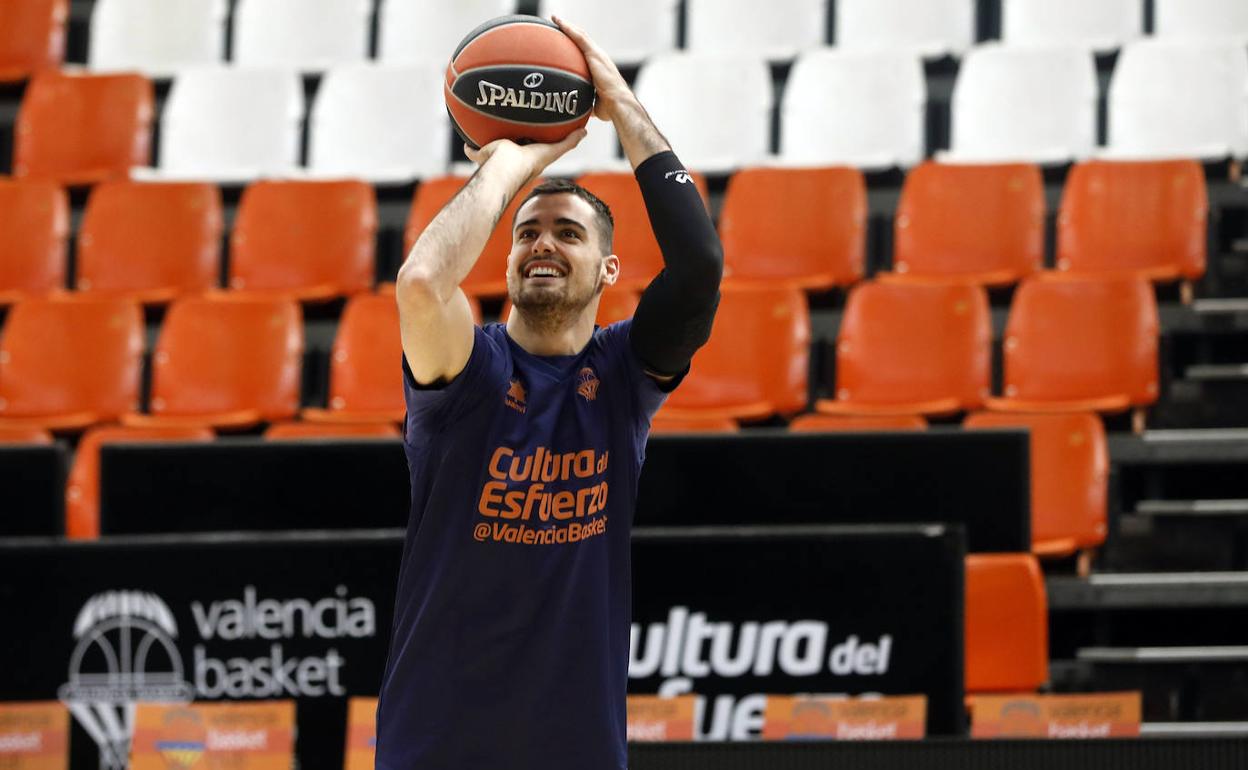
pixel 527 159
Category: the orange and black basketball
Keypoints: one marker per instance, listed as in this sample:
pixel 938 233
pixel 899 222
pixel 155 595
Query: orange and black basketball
pixel 518 77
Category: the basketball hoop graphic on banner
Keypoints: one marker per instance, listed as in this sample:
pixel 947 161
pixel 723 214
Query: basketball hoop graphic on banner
pixel 125 654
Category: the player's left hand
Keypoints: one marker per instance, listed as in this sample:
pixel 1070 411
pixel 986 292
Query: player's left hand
pixel 612 89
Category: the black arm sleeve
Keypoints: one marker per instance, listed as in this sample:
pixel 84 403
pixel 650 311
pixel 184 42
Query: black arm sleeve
pixel 674 316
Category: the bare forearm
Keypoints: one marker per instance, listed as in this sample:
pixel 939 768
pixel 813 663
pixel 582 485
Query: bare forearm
pixel 445 252
pixel 639 137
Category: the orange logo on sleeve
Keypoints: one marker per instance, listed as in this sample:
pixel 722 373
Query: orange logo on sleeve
pixel 587 384
pixel 516 396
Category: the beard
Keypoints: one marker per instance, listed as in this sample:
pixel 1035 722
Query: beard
pixel 548 308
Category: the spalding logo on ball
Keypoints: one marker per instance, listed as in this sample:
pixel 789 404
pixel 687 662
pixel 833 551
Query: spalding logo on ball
pixel 520 78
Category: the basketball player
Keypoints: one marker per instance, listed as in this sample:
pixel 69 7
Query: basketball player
pixel 525 440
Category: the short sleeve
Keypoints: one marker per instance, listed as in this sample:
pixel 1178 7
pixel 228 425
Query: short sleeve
pixel 431 407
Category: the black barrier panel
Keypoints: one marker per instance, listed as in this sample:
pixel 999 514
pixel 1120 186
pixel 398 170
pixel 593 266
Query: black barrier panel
pixel 307 615
pixel 949 754
pixel 32 490
pixel 980 479
pixel 848 610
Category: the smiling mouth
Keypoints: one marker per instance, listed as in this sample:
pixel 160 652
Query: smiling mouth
pixel 544 270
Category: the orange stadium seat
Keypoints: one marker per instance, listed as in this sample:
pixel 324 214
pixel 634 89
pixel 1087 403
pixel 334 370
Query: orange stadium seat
pixel 662 424
pixel 979 223
pixel 331 430
pixel 365 378
pixel 82 488
pixel 34 218
pixel 848 423
pixel 29 434
pixel 310 240
pixel 70 362
pixel 488 278
pixel 1007 624
pixel 1144 217
pixel 640 257
pixel 755 364
pixel 1076 344
pixel 805 226
pixel 908 348
pixel 83 129
pixel 32 37
pixel 150 241
pixel 1069 477
pixel 226 360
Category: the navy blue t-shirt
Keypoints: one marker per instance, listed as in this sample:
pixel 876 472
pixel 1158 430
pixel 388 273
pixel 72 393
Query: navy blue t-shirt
pixel 511 629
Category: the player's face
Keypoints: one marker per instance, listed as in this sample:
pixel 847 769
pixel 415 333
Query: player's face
pixel 556 266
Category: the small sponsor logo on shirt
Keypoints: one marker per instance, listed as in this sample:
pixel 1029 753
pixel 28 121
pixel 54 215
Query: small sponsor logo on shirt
pixel 681 176
pixel 515 396
pixel 587 384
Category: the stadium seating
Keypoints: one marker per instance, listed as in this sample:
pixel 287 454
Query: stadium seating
pixel 226 361
pixel 1024 104
pixel 931 28
pixel 231 124
pixel 156 37
pixel 32 37
pixel 83 129
pixel 1209 19
pixel 365 380
pixel 150 241
pixel 34 218
pixel 912 348
pixel 1148 218
pixel 308 35
pixel 308 431
pixel 640 257
pixel 429 32
pixel 82 489
pixel 806 227
pixel 1007 625
pixel 598 151
pixel 1069 477
pixel 714 108
pixel 775 30
pixel 383 123
pixel 857 108
pixel 852 423
pixel 979 223
pixel 30 434
pixel 1077 343
pixel 310 240
pixel 488 277
pixel 628 32
pixel 662 425
pixel 755 364
pixel 1177 98
pixel 67 363
pixel 1102 25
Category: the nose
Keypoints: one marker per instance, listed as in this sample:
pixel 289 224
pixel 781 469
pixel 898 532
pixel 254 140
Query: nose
pixel 544 244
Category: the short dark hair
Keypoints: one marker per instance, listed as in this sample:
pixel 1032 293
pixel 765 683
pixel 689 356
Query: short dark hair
pixel 602 212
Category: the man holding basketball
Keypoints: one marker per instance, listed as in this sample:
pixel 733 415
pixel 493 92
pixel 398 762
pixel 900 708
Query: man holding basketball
pixel 525 442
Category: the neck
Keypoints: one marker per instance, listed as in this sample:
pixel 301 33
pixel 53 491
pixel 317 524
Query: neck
pixel 550 335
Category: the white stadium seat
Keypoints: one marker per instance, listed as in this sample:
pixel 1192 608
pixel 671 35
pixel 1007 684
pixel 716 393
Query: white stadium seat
pixel 1035 104
pixel 380 122
pixel 156 37
pixel 1208 19
pixel 715 109
pixel 308 35
pixel 775 29
pixel 858 108
pixel 629 32
pixel 932 27
pixel 411 31
pixel 598 151
pixel 1102 25
pixel 231 124
pixel 1179 98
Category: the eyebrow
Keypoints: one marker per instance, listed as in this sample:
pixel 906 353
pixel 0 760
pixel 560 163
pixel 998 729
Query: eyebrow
pixel 559 221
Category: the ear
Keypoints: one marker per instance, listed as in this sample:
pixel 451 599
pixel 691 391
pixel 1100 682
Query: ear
pixel 610 269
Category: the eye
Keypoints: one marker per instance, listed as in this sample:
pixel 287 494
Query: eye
pixel 526 234
pixel 571 234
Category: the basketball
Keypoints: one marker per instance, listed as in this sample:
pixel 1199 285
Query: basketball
pixel 518 77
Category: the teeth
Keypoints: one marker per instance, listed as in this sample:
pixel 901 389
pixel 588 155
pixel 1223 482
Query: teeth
pixel 543 271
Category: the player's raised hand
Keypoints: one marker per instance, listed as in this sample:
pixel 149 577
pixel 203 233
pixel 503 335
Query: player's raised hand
pixel 608 82
pixel 527 159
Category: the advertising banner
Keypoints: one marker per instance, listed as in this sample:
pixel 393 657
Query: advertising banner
pixel 651 718
pixel 238 736
pixel 1093 715
pixel 34 736
pixel 361 734
pixel 797 718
